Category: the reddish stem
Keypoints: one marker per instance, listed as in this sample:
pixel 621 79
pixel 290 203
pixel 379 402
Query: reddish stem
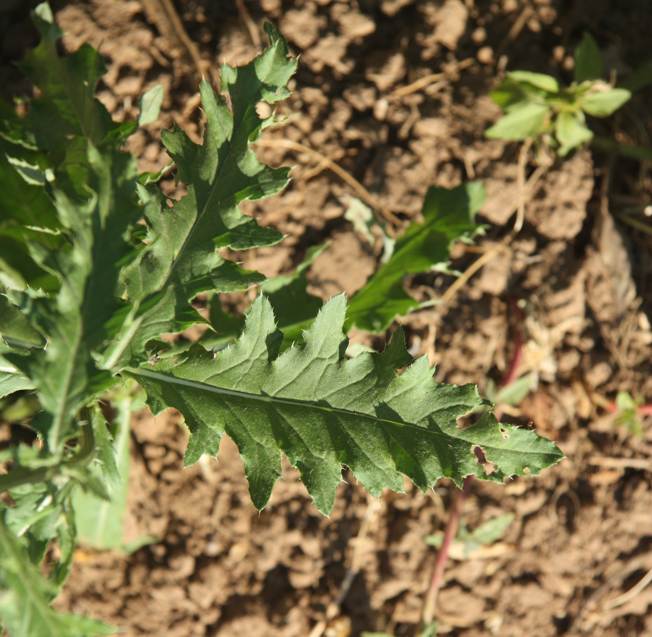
pixel 641 410
pixel 439 567
pixel 511 373
pixel 453 523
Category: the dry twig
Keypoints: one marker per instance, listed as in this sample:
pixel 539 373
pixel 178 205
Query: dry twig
pixel 523 191
pixel 462 280
pixel 245 16
pixel 629 595
pixel 165 16
pixel 425 81
pixel 344 175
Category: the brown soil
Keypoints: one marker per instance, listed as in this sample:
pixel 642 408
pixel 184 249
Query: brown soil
pixel 582 533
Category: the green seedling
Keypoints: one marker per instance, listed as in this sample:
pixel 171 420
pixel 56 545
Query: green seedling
pixel 513 393
pixel 468 542
pixel 537 107
pixel 627 413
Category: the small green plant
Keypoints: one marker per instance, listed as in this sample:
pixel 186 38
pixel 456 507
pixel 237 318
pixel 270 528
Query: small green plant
pixel 97 264
pixel 467 542
pixel 538 108
pixel 628 412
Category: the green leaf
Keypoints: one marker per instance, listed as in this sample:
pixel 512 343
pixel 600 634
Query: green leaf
pixel 11 380
pixel 27 215
pixel 571 131
pixel 627 413
pixel 100 522
pixel 83 317
pixel 604 101
pixel 67 91
pixel 25 597
pixel 516 391
pixel 488 532
pixel 150 105
pixel 509 93
pixel 293 305
pixel 182 259
pixel 431 630
pixel 588 60
pixel 362 218
pixel 15 326
pixel 448 216
pixel 541 81
pixel 521 122
pixel 323 412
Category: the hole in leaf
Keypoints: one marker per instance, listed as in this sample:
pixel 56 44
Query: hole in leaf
pixel 468 420
pixel 481 458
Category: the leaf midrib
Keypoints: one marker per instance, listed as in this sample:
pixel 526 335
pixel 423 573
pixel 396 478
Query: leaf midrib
pixel 133 330
pixel 325 408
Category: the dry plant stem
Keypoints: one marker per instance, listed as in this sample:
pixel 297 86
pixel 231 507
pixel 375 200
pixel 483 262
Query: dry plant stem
pixel 460 495
pixel 425 81
pixel 461 281
pixel 631 593
pixel 511 373
pixel 522 187
pixel 169 11
pixel 375 508
pixel 345 176
pixel 439 568
pixel 635 223
pixel 245 16
pixel 515 29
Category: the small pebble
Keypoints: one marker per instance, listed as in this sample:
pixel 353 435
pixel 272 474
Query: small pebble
pixel 558 53
pixel 486 55
pixel 479 35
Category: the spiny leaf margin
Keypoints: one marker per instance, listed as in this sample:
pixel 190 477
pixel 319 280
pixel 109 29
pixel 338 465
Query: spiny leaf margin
pixel 324 411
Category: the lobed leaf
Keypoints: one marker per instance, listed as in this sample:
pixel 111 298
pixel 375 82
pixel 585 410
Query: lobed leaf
pixel 324 412
pixel 12 381
pixel 448 216
pixel 181 258
pixel 84 315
